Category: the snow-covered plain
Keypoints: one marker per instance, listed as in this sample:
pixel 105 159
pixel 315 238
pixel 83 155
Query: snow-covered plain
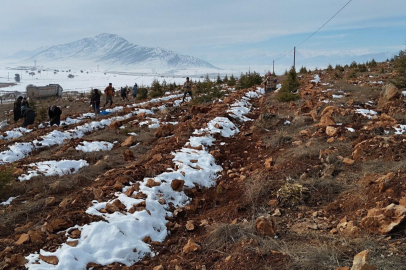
pixel 82 82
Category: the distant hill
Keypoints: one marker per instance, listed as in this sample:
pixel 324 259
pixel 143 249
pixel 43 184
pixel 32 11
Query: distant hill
pixel 112 50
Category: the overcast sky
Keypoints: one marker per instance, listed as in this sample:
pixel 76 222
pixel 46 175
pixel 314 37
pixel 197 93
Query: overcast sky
pixel 221 32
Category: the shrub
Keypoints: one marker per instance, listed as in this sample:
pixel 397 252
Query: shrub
pixel 303 70
pixel 250 79
pixel 399 63
pixel 289 86
pixel 232 81
pixel 157 89
pixel 42 114
pixel 330 67
pixel 6 176
pixel 208 95
pixel 352 75
pixel 142 93
pixel 292 194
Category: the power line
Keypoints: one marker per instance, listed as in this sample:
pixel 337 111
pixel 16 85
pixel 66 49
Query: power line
pixel 315 31
pixel 324 24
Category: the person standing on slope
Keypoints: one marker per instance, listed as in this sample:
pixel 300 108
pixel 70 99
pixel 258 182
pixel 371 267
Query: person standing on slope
pixel 109 91
pixel 54 114
pixel 269 84
pixel 187 88
pixel 17 109
pixel 135 90
pixel 95 101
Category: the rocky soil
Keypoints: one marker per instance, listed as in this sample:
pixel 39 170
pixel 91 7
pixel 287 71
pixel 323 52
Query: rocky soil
pixel 305 185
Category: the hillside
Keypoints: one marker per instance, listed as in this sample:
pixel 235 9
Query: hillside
pixel 241 182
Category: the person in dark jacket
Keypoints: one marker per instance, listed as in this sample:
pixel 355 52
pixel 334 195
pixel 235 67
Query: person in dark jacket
pixel 135 90
pixel 123 91
pixel 17 109
pixel 95 101
pixel 29 116
pixel 25 102
pixel 54 114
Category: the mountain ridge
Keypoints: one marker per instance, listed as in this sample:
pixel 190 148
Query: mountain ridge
pixel 113 50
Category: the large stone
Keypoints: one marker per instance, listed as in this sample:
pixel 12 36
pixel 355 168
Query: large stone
pixel 177 184
pixel 327 120
pixel 347 228
pixel 331 131
pixel 191 246
pixel 384 220
pixel 128 155
pixel 49 259
pixel 265 226
pixel 361 261
pixel 152 183
pixel 129 141
pixel 164 131
pixel 389 92
pixel 24 238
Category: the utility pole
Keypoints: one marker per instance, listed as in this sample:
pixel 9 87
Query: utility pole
pixel 294 58
pixel 273 67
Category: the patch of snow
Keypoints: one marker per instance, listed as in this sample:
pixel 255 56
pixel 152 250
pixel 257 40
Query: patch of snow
pixel 51 167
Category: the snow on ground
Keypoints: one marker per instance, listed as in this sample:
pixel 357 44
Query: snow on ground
pixel 316 79
pixel 82 82
pixel 94 146
pixel 367 113
pixel 8 201
pixel 21 150
pixel 49 168
pixel 120 239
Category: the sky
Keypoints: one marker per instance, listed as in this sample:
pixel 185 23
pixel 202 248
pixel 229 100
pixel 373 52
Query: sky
pixel 228 32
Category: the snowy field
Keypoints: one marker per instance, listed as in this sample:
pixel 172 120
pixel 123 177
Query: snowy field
pixel 82 82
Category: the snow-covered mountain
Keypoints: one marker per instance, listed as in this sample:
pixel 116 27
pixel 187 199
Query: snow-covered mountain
pixel 114 50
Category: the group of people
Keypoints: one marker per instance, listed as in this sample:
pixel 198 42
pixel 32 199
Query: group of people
pixel 22 110
pixel 110 91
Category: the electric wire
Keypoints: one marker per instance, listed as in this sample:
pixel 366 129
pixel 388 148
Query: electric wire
pixel 315 31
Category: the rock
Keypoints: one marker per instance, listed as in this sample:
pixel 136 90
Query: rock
pixel 129 141
pixel 384 220
pixel 331 131
pixel 389 92
pixel 151 183
pixel 25 228
pixel 177 184
pixel 164 131
pixel 98 193
pixel 159 267
pixel 268 163
pixel 361 261
pixel 191 246
pixel 50 201
pixel 326 120
pixel 17 260
pixel 128 155
pixel 277 213
pixel 342 268
pixel 402 201
pixel 347 228
pixel 24 238
pixel 348 161
pixel 265 226
pixel 190 226
pixel 49 259
pixel 72 243
pixel 35 236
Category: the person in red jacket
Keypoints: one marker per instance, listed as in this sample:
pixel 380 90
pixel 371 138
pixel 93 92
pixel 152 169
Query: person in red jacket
pixel 109 91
